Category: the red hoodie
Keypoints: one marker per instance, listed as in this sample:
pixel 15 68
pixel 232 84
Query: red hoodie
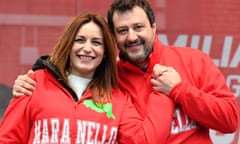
pixel 202 99
pixel 51 115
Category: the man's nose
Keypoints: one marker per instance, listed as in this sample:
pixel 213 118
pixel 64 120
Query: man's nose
pixel 132 35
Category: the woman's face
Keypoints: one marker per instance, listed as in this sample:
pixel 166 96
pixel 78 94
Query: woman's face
pixel 87 51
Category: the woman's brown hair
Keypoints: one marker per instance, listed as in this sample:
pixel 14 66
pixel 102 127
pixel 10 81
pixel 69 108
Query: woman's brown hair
pixel 105 76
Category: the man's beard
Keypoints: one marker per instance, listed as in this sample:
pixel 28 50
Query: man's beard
pixel 136 60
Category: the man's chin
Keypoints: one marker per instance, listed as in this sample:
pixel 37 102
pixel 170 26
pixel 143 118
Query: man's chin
pixel 137 60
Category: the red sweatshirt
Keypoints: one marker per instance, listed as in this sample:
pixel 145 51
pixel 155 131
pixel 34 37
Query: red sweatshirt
pixel 202 99
pixel 51 115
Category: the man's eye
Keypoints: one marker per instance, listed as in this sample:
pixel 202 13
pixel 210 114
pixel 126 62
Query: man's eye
pixel 138 27
pixel 122 31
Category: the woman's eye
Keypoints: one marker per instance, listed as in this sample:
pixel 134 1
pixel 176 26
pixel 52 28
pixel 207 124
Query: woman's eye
pixel 97 43
pixel 79 40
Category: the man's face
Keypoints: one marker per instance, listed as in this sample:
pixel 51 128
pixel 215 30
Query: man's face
pixel 134 35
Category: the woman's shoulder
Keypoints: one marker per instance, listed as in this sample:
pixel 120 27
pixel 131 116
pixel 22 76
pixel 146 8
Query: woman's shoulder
pixel 119 95
pixel 39 74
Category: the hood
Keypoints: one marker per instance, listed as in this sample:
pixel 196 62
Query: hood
pixel 43 62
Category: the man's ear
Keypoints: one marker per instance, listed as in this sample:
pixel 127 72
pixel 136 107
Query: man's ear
pixel 154 28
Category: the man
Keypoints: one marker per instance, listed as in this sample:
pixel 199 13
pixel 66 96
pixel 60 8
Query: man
pixel 186 76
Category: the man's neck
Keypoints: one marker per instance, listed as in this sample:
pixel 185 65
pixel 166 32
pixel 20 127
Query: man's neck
pixel 143 65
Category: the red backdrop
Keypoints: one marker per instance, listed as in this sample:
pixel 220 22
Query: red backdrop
pixel 30 28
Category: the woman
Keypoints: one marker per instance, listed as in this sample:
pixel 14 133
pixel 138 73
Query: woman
pixel 77 99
